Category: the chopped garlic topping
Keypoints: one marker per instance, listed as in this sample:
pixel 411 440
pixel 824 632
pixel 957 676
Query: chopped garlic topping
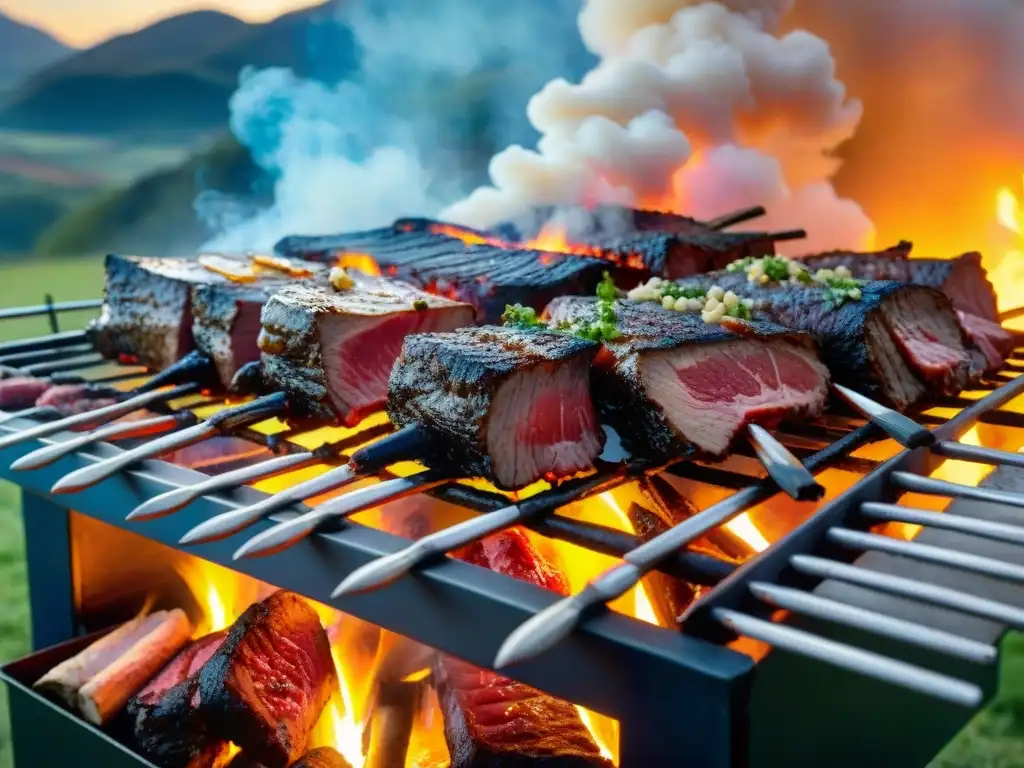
pixel 340 279
pixel 713 304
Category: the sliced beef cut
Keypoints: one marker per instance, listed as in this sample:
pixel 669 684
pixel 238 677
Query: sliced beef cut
pixel 896 343
pixel 673 385
pixel 147 312
pixel 226 316
pixel 491 720
pixel 335 349
pixel 267 684
pixel 168 724
pixel 509 405
pixel 963 279
pixel 72 399
pixel 993 341
pixel 20 392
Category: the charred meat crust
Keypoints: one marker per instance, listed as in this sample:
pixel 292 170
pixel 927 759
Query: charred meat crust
pixel 617 383
pixel 841 331
pixel 293 358
pixel 448 382
pixel 147 311
pixel 268 656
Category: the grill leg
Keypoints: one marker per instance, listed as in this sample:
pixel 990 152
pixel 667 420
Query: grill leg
pixel 51 586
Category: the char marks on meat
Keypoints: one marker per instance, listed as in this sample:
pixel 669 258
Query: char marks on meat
pixel 147 314
pixel 491 720
pixel 226 316
pixel 673 385
pixel 19 392
pixel 335 349
pixel 513 406
pixel 895 343
pixel 962 279
pixel 268 683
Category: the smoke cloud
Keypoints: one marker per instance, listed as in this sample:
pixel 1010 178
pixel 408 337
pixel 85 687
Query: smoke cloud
pixel 392 139
pixel 943 126
pixel 693 107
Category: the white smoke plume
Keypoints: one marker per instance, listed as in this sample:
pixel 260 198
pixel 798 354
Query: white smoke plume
pixel 695 107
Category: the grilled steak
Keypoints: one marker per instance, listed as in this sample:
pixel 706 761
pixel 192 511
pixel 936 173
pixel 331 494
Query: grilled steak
pixel 226 316
pixel 169 727
pixel 147 312
pixel 268 683
pixel 673 385
pixel 583 224
pixel 962 279
pixel 896 343
pixel 512 406
pixel 992 341
pixel 335 349
pixel 20 392
pixel 491 720
pixel 71 399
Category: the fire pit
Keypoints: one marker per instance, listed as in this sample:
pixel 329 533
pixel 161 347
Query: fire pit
pixel 835 615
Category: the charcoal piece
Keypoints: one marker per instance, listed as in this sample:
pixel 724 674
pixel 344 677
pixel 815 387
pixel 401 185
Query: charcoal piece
pixel 674 386
pixel 509 405
pixel 333 350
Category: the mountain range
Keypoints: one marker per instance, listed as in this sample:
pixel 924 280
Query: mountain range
pixel 24 50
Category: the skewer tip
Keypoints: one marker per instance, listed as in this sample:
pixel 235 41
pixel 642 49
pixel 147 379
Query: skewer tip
pixel 27 462
pixel 72 483
pixel 539 634
pixel 164 504
pixel 375 575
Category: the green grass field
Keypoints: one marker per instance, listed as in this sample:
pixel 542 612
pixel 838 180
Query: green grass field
pixel 995 738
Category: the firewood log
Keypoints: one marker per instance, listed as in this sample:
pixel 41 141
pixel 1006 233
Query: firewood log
pixel 64 681
pixel 106 693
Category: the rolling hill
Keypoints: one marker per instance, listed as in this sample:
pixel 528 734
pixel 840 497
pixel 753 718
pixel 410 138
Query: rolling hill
pixel 173 78
pixel 24 50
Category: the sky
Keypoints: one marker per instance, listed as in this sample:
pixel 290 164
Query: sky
pixel 82 23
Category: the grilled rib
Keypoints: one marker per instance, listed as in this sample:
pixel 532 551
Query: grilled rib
pixel 673 385
pixel 513 406
pixel 897 343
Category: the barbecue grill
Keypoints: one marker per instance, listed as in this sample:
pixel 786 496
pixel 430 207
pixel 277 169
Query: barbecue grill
pixel 857 648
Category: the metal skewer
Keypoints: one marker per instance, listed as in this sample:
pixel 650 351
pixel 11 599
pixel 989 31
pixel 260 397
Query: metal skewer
pixel 172 501
pixel 732 219
pixel 408 442
pixel 929 485
pixel 909 632
pixel 854 659
pixel 900 428
pixel 1010 534
pixel 389 568
pixel 47 455
pixel 284 535
pixel 783 467
pixel 93 419
pixel 954 450
pixel 223 422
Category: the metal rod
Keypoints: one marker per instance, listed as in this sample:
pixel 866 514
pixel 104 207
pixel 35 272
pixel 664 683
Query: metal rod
pixel 738 217
pixel 50 341
pixel 929 485
pixel 145 428
pixel 783 467
pixel 789 234
pixel 910 632
pixel 289 532
pixel 48 308
pixel 27 358
pixel 954 450
pixel 922 591
pixel 1011 534
pixel 93 419
pixel 987 566
pixel 65 364
pixel 900 428
pixel 854 659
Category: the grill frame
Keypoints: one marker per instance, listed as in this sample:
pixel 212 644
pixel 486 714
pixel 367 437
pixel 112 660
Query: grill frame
pixel 610 664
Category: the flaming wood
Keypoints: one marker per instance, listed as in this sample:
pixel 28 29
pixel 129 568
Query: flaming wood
pixel 668 595
pixel 106 694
